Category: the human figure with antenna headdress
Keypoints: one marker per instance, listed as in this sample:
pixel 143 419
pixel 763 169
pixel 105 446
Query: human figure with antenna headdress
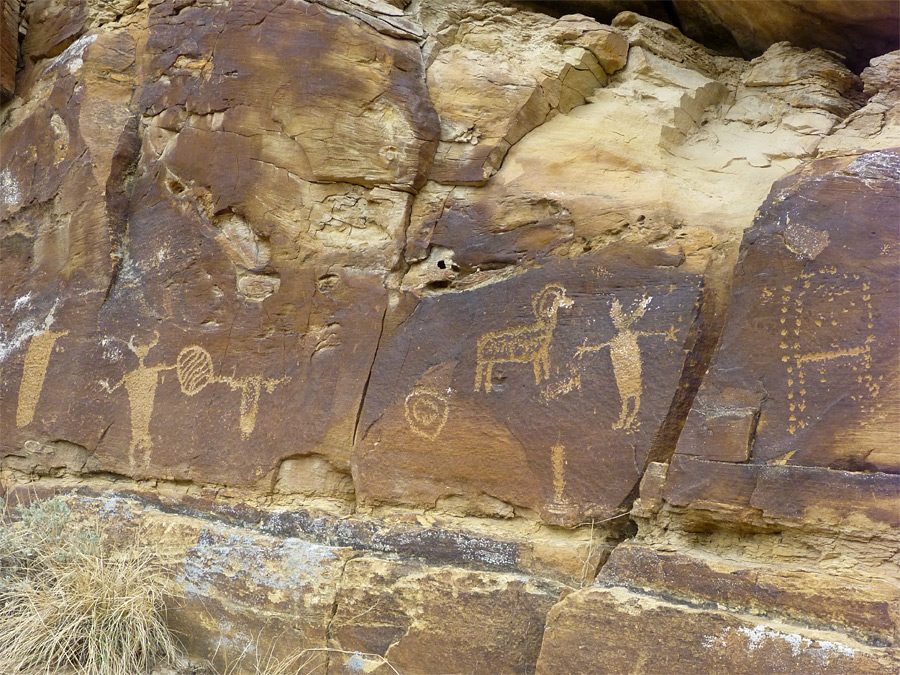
pixel 626 358
pixel 140 384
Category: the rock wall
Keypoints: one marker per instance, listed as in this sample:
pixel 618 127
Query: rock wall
pixel 461 335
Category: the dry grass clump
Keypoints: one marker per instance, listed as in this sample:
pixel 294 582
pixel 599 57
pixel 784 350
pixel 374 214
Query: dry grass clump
pixel 299 663
pixel 309 661
pixel 69 602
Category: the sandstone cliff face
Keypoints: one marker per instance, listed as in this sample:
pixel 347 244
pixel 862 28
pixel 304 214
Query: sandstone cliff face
pixel 461 335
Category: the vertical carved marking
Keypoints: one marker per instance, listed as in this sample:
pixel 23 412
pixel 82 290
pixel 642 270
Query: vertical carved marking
pixel 37 357
pixel 141 387
pixel 558 460
pixel 249 405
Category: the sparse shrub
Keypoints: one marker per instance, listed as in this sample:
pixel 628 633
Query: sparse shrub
pixel 69 602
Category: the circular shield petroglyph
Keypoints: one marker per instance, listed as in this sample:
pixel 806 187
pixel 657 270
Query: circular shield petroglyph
pixel 195 369
pixel 426 412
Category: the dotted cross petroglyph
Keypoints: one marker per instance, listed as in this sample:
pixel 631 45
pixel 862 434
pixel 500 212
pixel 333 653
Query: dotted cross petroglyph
pixel 841 296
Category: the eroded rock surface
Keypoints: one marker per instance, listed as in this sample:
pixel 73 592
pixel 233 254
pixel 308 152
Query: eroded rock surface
pixel 458 337
pixel 412 620
pixel 858 30
pixel 805 373
pixel 640 634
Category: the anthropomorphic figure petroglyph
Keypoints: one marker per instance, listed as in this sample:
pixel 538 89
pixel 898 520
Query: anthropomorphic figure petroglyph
pixel 626 358
pixel 523 344
pixel 140 384
pixel 195 371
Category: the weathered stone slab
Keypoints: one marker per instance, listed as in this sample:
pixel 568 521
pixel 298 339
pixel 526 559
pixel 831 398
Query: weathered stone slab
pixel 170 401
pixel 748 495
pixel 486 106
pixel 545 390
pixel 437 620
pixel 62 171
pixel 9 49
pixel 509 547
pixel 868 608
pixel 63 175
pixel 296 85
pixel 617 631
pixel 807 369
pixel 240 598
pixel 249 598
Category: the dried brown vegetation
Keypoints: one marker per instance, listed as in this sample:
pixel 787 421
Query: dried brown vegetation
pixel 69 602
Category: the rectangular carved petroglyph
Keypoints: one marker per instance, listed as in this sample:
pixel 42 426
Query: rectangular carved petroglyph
pixel 558 462
pixel 34 371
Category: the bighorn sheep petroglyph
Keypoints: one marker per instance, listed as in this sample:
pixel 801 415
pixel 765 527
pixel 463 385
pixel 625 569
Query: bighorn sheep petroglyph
pixel 523 344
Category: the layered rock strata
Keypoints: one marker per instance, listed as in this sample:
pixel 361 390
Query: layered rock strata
pixel 460 338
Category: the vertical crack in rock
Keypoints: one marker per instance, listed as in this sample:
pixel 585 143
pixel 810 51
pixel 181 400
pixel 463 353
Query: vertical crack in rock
pixel 334 610
pixel 701 345
pixel 362 398
pixel 122 171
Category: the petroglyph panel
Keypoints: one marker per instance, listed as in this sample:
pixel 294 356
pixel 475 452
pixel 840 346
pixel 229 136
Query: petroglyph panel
pixel 808 369
pixel 195 371
pixel 215 404
pixel 234 237
pixel 557 381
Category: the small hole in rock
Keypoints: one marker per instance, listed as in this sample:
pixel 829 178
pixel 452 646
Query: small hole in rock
pixel 327 282
pixel 442 264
